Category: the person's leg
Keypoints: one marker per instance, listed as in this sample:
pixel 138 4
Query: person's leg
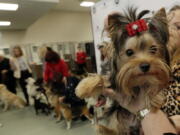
pixel 22 82
pixel 10 82
pixel 23 86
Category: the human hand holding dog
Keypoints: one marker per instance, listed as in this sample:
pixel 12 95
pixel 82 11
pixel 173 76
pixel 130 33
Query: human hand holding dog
pixel 157 123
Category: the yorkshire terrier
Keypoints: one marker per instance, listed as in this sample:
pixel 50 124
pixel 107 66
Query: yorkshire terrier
pixel 141 60
pixel 140 67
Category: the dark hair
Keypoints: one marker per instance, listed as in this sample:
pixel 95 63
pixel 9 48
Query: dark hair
pixel 52 56
pixel 176 7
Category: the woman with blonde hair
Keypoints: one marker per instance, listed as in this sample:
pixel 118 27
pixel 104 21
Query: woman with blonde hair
pixel 22 71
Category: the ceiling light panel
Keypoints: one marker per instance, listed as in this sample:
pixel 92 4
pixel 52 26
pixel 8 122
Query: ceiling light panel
pixel 87 3
pixel 5 23
pixel 8 6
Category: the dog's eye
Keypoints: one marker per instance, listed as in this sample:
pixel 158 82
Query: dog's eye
pixel 129 52
pixel 153 49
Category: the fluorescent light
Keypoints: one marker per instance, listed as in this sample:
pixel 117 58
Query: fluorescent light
pixel 5 23
pixel 87 4
pixel 8 6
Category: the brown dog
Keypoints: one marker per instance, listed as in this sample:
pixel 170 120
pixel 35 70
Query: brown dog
pixel 70 112
pixel 10 99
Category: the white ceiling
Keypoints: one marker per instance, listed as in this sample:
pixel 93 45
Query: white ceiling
pixel 72 5
pixel 30 10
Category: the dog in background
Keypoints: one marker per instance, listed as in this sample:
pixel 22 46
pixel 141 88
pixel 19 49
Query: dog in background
pixel 105 109
pixel 37 91
pixel 10 99
pixel 66 103
pixel 69 112
pixel 40 106
pixel 31 87
pixel 91 89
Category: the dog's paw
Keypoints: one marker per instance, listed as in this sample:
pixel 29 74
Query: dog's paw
pixel 92 122
pixel 59 120
pixel 68 125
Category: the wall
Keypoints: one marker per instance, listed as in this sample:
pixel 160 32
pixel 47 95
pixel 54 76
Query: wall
pixel 60 26
pixel 11 37
pixel 56 26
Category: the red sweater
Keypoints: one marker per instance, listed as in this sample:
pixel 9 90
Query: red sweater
pixel 51 68
pixel 81 57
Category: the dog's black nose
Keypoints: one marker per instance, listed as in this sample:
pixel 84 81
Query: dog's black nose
pixel 144 67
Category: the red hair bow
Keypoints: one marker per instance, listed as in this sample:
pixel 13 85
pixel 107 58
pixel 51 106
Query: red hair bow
pixel 137 26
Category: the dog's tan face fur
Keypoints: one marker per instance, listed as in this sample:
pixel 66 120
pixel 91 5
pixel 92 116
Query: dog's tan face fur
pixel 140 62
pixel 145 50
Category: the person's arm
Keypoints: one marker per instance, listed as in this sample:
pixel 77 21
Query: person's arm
pixel 65 72
pixel 157 124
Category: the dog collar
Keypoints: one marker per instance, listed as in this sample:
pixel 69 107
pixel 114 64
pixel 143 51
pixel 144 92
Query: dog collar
pixel 142 113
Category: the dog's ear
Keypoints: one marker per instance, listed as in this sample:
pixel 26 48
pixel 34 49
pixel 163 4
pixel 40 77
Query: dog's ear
pixel 158 26
pixel 161 14
pixel 113 23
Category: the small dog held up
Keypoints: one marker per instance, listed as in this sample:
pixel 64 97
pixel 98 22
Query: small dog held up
pixel 140 68
pixel 140 59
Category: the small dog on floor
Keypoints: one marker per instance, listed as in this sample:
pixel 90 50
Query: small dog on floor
pixel 65 102
pixel 10 99
pixel 31 88
pixel 139 68
pixel 40 106
pixel 69 112
pixel 37 92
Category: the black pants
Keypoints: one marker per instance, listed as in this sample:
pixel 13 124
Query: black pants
pixel 82 68
pixel 9 80
pixel 22 81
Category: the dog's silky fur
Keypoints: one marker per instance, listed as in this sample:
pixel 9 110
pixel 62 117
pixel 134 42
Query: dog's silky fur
pixel 10 99
pixel 127 78
pixel 93 88
pixel 148 47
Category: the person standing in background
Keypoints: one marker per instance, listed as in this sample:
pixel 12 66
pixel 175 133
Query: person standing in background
pixel 6 73
pixel 22 71
pixel 54 67
pixel 81 60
